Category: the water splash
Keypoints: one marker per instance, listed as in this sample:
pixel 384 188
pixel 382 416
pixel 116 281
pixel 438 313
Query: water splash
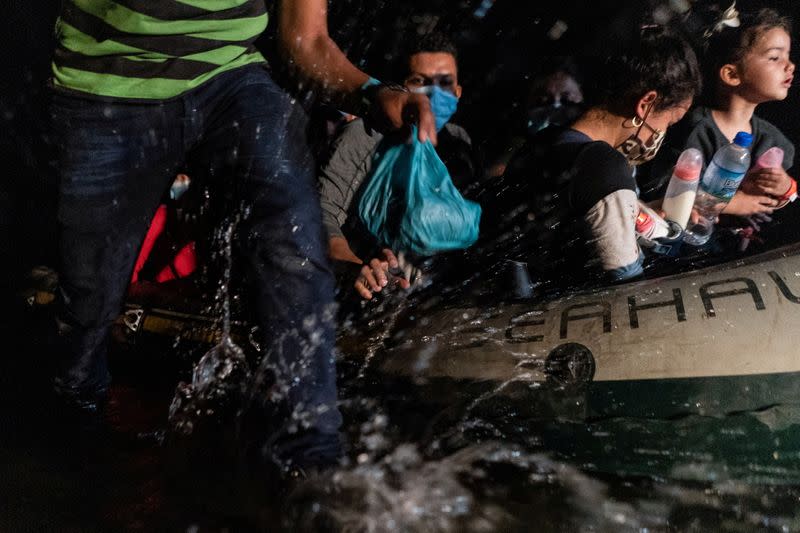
pixel 484 487
pixel 216 391
pixel 397 492
pixel 399 303
pixel 220 377
pixel 277 376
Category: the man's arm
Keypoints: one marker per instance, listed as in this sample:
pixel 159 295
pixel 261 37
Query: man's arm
pixel 343 173
pixel 303 35
pixel 374 275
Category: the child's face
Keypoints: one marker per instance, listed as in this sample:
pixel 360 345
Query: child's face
pixel 766 72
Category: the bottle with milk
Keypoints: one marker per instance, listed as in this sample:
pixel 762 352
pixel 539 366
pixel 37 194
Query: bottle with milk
pixel 682 188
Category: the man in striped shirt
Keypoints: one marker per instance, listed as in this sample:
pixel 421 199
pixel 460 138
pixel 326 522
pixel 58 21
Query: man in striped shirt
pixel 143 88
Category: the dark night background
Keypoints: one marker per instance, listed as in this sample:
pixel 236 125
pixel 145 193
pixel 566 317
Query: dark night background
pixel 48 483
pixel 498 53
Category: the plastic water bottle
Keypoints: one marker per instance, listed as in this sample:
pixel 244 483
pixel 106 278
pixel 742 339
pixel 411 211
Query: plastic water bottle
pixel 720 182
pixel 682 187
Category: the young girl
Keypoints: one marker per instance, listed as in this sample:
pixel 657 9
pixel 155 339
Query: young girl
pixel 745 66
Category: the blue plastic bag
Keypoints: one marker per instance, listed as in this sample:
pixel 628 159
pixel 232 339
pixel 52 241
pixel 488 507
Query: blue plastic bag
pixel 411 204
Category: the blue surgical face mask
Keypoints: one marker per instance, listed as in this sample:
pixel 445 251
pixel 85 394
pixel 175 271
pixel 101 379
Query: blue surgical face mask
pixel 443 103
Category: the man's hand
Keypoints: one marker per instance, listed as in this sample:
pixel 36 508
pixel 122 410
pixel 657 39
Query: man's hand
pixel 770 181
pixel 402 108
pixel 377 274
pixel 303 37
pixel 745 205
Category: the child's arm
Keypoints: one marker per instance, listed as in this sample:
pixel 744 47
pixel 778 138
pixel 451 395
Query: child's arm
pixel 774 182
pixel 744 204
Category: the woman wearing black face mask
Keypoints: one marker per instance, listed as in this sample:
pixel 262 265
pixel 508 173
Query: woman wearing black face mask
pixel 555 96
pixel 582 200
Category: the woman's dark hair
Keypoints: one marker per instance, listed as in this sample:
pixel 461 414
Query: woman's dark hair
pixel 728 45
pixel 659 61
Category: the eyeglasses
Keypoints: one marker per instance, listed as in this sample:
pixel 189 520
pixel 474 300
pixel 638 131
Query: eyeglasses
pixel 445 81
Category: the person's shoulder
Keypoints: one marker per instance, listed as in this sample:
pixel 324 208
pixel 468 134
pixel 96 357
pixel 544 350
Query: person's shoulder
pixel 457 132
pixel 349 150
pixel 358 129
pixel 599 170
pixel 354 141
pixel 602 160
pixel 572 151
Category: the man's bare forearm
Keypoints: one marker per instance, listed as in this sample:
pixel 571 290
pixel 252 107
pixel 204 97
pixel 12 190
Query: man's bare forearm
pixel 303 34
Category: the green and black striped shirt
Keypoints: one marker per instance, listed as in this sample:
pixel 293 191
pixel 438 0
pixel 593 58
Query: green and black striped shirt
pixel 153 49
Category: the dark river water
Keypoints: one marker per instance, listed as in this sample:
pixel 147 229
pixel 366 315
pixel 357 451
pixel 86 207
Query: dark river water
pixel 427 456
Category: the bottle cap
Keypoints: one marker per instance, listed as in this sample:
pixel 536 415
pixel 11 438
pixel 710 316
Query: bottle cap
pixel 643 222
pixel 689 165
pixel 743 139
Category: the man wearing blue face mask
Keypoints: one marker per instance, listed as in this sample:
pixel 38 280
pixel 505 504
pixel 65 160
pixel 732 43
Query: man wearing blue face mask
pixel 435 74
pixel 430 67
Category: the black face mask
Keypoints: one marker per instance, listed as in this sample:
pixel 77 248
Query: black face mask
pixel 637 151
pixel 552 115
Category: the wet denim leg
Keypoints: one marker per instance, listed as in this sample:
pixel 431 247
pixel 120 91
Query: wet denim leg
pixel 259 132
pixel 115 162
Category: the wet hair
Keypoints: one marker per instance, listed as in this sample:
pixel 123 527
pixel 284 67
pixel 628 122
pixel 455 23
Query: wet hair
pixel 657 61
pixel 434 42
pixel 728 46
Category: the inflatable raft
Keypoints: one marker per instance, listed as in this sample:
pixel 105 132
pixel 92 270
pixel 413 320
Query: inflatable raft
pixel 738 319
pixel 693 376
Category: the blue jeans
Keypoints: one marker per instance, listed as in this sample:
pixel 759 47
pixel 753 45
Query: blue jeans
pixel 116 162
